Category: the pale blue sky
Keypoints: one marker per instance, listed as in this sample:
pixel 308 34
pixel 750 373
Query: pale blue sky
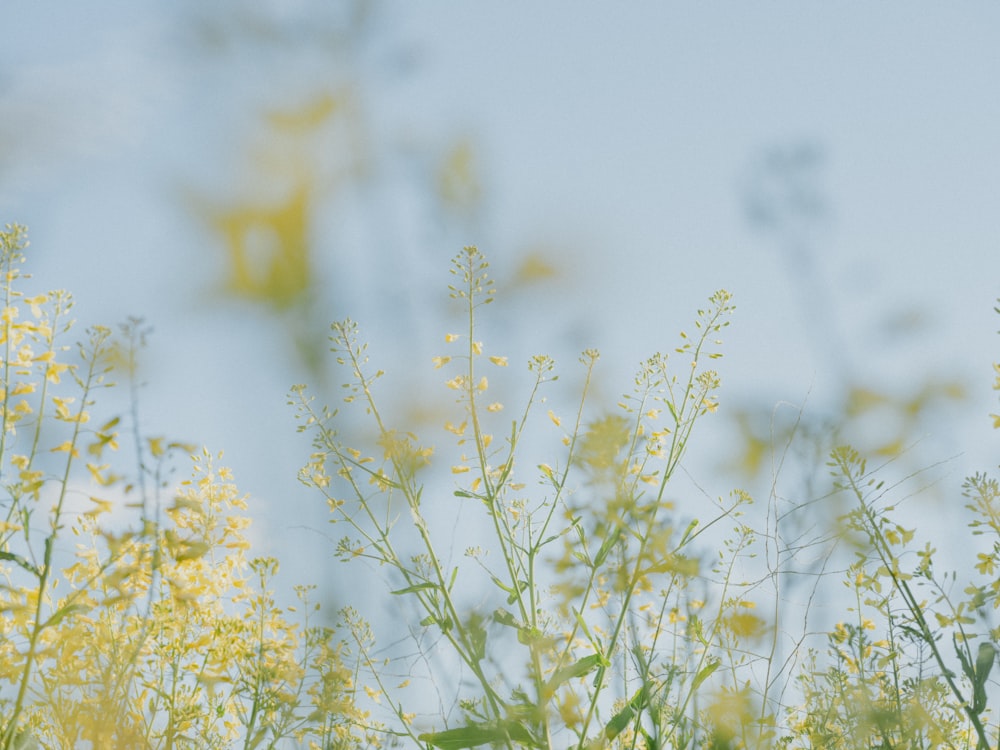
pixel 620 138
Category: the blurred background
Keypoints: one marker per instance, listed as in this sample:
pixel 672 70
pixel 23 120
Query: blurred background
pixel 241 174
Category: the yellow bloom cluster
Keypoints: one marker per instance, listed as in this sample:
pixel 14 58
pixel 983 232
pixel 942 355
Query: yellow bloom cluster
pixel 164 634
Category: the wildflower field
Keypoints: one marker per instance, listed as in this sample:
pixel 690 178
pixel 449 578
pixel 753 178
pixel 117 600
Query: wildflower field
pixel 593 607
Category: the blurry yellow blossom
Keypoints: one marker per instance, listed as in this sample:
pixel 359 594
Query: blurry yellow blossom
pixel 459 430
pixel 268 248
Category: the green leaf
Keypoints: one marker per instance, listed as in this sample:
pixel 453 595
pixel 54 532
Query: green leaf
pixel 477 636
pixel 704 674
pixel 511 591
pixel 415 588
pixel 521 586
pixel 504 617
pixel 599 676
pixel 984 663
pixel 673 410
pixel 258 738
pixel 191 550
pixel 501 584
pixel 22 562
pixel 444 624
pixel 579 668
pixel 609 542
pixel 687 533
pixel 583 626
pixel 624 717
pixel 478 734
pixel 62 613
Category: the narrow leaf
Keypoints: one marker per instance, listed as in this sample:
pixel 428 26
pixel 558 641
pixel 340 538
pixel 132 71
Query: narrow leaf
pixel 477 734
pixel 22 562
pixel 62 613
pixel 521 586
pixel 704 674
pixel 581 667
pixel 414 588
pixel 501 584
pixel 624 717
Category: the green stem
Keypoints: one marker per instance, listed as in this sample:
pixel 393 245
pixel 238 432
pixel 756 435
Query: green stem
pixel 884 551
pixel 97 342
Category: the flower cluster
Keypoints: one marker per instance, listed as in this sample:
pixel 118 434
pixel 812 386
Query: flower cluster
pixel 154 632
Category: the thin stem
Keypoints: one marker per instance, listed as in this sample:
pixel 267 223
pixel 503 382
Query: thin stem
pixel 98 338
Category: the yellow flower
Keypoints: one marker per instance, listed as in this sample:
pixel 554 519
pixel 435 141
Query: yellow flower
pixel 455 430
pixel 451 337
pixel 494 407
pixel 66 446
pixel 102 506
pixel 499 361
pixel 986 564
pixel 34 303
pixel 839 633
pixel 62 407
